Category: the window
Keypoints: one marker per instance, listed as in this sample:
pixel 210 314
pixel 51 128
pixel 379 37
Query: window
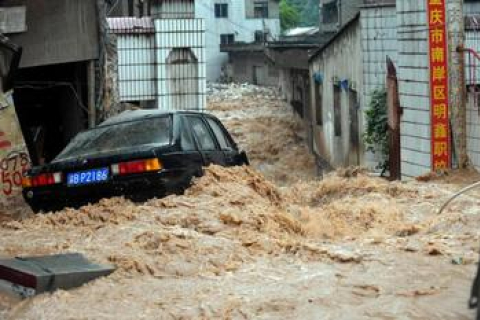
pixel 130 135
pixel 337 110
pixel 203 136
pixel 186 139
pixel 221 10
pixel 318 104
pixel 260 36
pixel 330 12
pixel 228 38
pixel 260 9
pixel 220 134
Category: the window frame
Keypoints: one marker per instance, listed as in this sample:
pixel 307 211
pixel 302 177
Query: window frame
pixel 221 10
pixel 208 129
pixel 186 128
pixel 230 38
pixel 230 143
pixel 263 6
pixel 330 14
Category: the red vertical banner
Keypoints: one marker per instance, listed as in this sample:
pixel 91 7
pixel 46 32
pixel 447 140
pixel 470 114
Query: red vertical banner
pixel 438 55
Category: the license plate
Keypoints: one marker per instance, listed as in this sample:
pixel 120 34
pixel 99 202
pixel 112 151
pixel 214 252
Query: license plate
pixel 87 177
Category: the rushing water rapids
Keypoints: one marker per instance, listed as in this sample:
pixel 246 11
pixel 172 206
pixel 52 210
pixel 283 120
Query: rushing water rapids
pixel 266 242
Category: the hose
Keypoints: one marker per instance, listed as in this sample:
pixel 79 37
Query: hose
pixel 459 193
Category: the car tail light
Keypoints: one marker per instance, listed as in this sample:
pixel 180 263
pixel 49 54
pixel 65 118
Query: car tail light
pixel 137 166
pixel 43 179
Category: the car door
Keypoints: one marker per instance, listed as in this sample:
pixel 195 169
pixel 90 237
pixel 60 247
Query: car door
pixel 206 142
pixel 191 160
pixel 225 141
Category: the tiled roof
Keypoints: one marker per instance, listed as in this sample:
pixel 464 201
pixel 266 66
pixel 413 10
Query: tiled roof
pixel 131 25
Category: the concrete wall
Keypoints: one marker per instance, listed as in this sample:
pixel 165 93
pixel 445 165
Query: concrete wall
pixel 347 9
pixel 121 8
pixel 173 9
pixel 341 60
pixel 243 30
pixel 59 31
pixel 243 64
pixel 379 40
pixel 414 87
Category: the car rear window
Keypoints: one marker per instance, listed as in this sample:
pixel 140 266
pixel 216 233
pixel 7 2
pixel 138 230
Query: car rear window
pixel 119 137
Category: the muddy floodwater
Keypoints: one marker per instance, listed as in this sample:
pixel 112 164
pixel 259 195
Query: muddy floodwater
pixel 270 241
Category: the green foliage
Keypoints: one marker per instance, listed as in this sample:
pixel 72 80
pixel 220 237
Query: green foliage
pixel 308 11
pixel 289 16
pixel 376 135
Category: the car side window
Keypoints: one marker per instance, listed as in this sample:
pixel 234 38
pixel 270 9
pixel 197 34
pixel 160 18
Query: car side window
pixel 220 134
pixel 186 138
pixel 200 130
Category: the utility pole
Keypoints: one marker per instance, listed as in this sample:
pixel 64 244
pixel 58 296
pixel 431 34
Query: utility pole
pixel 457 91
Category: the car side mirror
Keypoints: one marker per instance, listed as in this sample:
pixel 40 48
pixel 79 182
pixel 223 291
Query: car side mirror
pixel 244 158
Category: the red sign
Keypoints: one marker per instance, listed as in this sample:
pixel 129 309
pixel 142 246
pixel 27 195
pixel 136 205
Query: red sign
pixel 439 84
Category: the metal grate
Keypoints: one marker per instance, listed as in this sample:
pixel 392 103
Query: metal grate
pixel 164 65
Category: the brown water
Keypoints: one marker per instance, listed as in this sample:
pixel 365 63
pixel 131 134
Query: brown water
pixel 266 242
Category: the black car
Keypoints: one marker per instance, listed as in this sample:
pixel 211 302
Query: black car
pixel 138 154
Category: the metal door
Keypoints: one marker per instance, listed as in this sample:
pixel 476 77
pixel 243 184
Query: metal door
pixel 354 157
pixel 394 112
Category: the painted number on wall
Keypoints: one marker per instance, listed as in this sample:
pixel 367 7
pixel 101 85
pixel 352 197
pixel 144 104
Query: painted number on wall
pixel 12 168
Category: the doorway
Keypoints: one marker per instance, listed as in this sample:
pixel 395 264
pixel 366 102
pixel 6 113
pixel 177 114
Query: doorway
pixel 354 156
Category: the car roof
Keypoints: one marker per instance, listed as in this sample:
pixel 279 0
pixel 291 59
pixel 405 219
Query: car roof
pixel 135 115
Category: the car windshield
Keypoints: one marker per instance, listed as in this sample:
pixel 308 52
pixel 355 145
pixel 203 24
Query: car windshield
pixel 119 137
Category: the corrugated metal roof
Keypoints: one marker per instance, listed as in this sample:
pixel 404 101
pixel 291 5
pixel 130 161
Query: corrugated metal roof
pixel 128 25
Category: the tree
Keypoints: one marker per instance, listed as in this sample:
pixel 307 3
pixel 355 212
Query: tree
pixel 376 134
pixel 289 16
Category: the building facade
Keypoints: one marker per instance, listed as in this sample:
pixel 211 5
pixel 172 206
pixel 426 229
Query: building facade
pixel 337 100
pixel 229 21
pixel 55 85
pixel 345 72
pixel 161 59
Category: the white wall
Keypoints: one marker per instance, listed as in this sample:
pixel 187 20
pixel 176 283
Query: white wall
pixel 236 24
pixel 414 87
pixel 379 40
pixel 136 72
pixel 342 59
pixel 180 33
pixel 473 99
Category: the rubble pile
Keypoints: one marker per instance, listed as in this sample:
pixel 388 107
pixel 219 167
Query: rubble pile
pixel 269 241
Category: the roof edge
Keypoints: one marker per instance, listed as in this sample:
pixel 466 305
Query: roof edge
pixel 338 34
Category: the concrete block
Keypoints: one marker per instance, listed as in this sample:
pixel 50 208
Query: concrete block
pixel 33 275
